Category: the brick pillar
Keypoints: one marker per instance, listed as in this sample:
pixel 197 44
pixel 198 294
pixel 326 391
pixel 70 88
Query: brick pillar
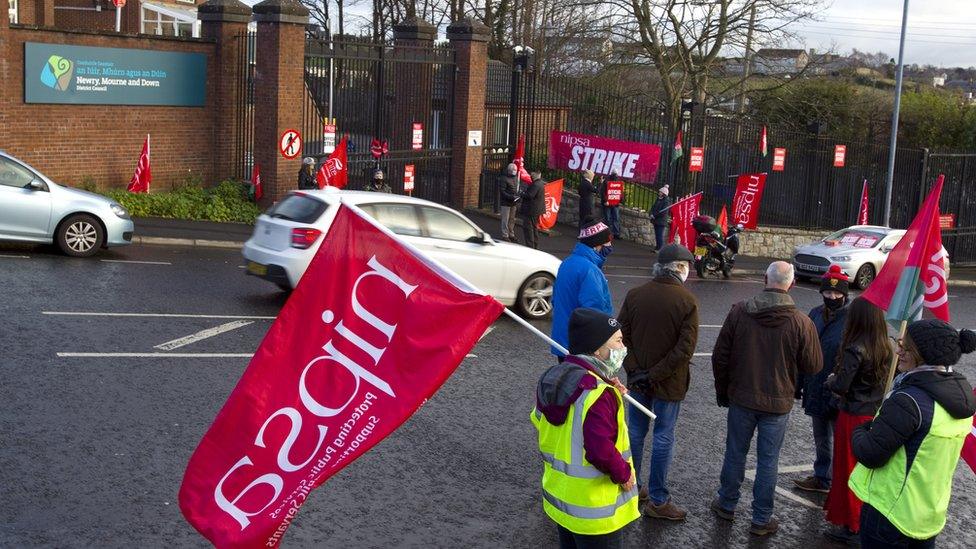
pixel 413 88
pixel 470 41
pixel 225 21
pixel 279 90
pixel 44 13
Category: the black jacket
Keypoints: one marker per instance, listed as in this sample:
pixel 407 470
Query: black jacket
pixel 586 194
pixel 860 395
pixel 508 189
pixel 306 180
pixel 534 199
pixel 660 215
pixel 817 399
pixel 906 416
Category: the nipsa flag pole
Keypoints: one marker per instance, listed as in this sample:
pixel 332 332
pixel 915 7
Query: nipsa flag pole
pixel 467 286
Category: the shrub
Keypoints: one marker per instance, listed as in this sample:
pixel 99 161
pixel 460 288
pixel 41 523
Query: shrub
pixel 225 202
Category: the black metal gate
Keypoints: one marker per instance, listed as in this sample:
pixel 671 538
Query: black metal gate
pixel 244 142
pixel 958 199
pixel 380 91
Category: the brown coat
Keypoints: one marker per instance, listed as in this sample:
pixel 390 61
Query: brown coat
pixel 764 345
pixel 659 321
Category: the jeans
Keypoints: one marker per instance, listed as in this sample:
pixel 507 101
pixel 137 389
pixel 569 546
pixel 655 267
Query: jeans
pixel 659 236
pixel 570 540
pixel 611 216
pixel 823 436
pixel 742 423
pixel 878 533
pixel 662 447
pixel 530 232
pixel 509 213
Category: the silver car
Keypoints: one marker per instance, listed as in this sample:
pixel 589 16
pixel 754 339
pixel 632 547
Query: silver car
pixel 860 251
pixel 35 209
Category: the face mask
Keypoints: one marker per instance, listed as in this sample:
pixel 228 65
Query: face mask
pixel 605 251
pixel 683 274
pixel 616 360
pixel 834 304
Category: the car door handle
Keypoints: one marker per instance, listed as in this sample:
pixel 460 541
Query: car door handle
pixel 442 247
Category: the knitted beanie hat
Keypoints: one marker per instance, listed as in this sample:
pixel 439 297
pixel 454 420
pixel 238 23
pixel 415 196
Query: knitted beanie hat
pixel 939 343
pixel 589 329
pixel 594 233
pixel 836 280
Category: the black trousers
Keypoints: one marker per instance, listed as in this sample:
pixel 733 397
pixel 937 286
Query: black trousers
pixel 569 540
pixel 530 232
pixel 877 532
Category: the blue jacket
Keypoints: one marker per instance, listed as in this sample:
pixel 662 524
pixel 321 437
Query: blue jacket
pixel 817 399
pixel 579 283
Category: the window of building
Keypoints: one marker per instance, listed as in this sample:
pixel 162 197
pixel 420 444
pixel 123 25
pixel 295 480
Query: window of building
pixel 499 130
pixel 12 10
pixel 169 21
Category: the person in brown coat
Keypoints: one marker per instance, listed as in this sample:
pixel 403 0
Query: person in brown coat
pixel 659 321
pixel 763 347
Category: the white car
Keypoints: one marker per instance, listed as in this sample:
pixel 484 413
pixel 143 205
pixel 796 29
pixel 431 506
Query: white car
pixel 860 251
pixel 286 237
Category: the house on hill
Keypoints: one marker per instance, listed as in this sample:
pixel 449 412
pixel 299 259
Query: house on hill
pixel 772 61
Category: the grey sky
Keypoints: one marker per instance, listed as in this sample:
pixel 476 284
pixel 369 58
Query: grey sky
pixel 940 32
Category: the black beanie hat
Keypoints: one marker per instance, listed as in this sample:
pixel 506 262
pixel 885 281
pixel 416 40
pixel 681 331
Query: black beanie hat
pixel 594 233
pixel 835 279
pixel 939 343
pixel 589 329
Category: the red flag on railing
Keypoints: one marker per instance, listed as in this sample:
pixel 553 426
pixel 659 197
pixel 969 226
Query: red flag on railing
pixel 682 213
pixel 519 161
pixel 256 183
pixel 862 212
pixel 748 195
pixel 723 220
pixel 554 196
pixel 342 367
pixel 763 143
pixel 334 172
pixel 143 175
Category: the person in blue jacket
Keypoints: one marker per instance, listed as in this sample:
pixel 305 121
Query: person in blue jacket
pixel 818 402
pixel 580 281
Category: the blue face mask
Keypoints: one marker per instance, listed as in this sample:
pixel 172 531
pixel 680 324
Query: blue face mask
pixel 605 251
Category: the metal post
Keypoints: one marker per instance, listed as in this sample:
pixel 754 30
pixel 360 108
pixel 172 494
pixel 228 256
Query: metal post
pixel 331 81
pixel 894 118
pixel 118 18
pixel 513 108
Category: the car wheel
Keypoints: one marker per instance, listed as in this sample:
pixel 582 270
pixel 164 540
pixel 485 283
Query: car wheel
pixel 864 276
pixel 80 235
pixel 535 296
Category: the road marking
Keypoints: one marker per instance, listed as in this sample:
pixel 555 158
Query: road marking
pixel 488 331
pixel 15 256
pixel 709 325
pixel 155 355
pixel 202 334
pixel 703 354
pixel 135 262
pixel 751 475
pixel 155 315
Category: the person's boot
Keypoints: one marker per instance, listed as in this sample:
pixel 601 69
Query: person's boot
pixel 643 497
pixel 721 512
pixel 666 511
pixel 812 484
pixel 764 529
pixel 842 534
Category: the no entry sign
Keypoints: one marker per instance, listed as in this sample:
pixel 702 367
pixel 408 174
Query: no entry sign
pixel 696 161
pixel 290 144
pixel 840 154
pixel 408 178
pixel 119 3
pixel 779 159
pixel 418 136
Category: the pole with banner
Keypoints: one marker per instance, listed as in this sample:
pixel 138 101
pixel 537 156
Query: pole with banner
pixel 119 4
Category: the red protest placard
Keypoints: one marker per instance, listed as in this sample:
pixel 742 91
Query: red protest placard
pixel 615 193
pixel 947 221
pixel 408 178
pixel 696 161
pixel 418 136
pixel 840 154
pixel 779 159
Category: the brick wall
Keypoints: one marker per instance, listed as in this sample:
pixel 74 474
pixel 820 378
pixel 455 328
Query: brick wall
pixel 69 142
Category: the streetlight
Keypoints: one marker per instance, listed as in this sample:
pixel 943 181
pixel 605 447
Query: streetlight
pixel 894 118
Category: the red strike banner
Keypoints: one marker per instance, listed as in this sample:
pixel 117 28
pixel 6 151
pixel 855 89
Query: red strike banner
pixel 577 152
pixel 682 213
pixel 615 192
pixel 748 194
pixel 554 196
pixel 370 333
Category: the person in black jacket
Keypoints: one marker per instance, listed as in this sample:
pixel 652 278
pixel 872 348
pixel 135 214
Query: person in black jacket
pixel 533 206
pixel 587 190
pixel 661 216
pixel 508 198
pixel 306 175
pixel 829 319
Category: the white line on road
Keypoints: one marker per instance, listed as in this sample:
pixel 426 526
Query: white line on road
pixel 136 262
pixel 709 325
pixel 488 331
pixel 703 354
pixel 15 256
pixel 202 334
pixel 154 315
pixel 156 355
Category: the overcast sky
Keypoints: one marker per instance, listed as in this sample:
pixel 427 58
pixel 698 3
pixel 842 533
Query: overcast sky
pixel 940 32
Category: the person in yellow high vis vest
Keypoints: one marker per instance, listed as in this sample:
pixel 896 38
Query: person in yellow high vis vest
pixel 907 454
pixel 588 482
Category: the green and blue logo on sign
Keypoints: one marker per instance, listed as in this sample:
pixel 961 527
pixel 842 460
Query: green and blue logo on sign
pixel 57 73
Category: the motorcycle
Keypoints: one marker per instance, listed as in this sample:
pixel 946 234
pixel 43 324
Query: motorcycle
pixel 714 253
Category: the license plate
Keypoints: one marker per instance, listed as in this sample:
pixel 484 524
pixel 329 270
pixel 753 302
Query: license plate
pixel 700 250
pixel 812 268
pixel 257 268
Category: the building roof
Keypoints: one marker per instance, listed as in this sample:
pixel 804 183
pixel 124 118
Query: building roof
pixel 773 53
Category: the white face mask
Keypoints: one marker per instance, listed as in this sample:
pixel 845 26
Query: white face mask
pixel 683 273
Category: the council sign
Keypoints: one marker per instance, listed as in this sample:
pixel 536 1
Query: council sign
pixel 82 75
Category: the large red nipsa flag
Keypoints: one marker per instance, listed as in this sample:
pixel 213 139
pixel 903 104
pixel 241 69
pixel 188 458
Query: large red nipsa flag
pixel 143 175
pixel 748 195
pixel 334 171
pixel 370 333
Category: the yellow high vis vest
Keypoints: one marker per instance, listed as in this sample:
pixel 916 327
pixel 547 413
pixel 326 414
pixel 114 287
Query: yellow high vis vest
pixel 575 494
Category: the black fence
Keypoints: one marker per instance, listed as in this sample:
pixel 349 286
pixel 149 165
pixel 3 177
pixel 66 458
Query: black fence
pixel 244 145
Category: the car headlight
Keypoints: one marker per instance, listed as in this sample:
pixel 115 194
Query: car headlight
pixel 119 211
pixel 841 258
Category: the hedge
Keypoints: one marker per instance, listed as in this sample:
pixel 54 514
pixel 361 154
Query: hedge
pixel 228 201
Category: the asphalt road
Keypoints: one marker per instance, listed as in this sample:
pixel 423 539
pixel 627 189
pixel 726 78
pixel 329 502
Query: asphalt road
pixel 93 448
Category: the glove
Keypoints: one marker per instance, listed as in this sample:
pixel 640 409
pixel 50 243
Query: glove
pixel 723 401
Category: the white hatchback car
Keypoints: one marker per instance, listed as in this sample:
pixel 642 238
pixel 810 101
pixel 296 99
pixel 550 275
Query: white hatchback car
pixel 286 237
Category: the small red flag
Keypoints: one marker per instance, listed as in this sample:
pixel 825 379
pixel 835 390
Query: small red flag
pixel 256 183
pixel 862 213
pixel 554 195
pixel 763 143
pixel 969 446
pixel 723 220
pixel 519 161
pixel 334 171
pixel 143 175
pixel 682 214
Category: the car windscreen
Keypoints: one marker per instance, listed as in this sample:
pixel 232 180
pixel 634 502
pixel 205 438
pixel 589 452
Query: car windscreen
pixel 298 207
pixel 851 238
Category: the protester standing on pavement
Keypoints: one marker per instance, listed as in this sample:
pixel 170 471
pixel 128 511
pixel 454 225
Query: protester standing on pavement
pixel 661 216
pixel 508 197
pixel 660 326
pixel 817 401
pixel 580 281
pixel 588 481
pixel 533 206
pixel 763 347
pixel 587 190
pixel 611 201
pixel 908 453
pixel 858 380
pixel 378 183
pixel 306 175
